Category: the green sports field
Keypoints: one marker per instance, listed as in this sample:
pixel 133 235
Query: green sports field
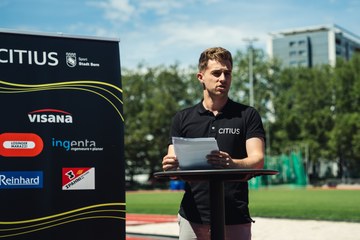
pixel 318 204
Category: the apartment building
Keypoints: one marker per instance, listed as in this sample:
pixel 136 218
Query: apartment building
pixel 310 46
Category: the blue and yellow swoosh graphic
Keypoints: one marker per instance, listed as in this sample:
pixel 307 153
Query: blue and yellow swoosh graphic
pixel 100 211
pixel 107 91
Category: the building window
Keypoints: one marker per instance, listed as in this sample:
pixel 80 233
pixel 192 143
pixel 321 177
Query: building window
pixel 293 63
pixel 301 42
pixel 292 44
pixel 302 52
pixel 303 63
pixel 338 51
pixel 292 53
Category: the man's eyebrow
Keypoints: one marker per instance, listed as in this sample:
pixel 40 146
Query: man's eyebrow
pixel 221 70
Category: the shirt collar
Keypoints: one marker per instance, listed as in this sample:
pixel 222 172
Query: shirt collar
pixel 201 109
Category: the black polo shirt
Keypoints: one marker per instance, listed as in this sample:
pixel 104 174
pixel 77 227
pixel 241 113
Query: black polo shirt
pixel 231 127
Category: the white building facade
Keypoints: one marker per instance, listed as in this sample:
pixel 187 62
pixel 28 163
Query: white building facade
pixel 312 46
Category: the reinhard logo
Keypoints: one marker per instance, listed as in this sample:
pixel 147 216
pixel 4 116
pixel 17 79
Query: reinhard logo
pixel 78 178
pixel 50 116
pixel 20 179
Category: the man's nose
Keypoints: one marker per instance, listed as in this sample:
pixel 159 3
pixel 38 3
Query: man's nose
pixel 222 77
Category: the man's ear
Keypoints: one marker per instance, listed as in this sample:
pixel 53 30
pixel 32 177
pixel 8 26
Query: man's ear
pixel 200 77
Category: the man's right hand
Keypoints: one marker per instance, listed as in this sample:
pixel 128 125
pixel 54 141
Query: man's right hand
pixel 170 163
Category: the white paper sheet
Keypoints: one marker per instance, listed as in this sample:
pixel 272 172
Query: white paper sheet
pixel 191 152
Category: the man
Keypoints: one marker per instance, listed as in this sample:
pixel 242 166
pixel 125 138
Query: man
pixel 240 136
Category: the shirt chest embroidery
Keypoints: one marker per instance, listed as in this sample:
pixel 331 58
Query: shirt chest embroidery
pixel 231 131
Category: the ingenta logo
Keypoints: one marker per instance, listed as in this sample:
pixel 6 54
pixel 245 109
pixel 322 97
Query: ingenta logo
pixel 50 116
pixel 20 145
pixel 79 145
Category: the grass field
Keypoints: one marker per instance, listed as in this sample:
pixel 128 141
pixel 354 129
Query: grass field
pixel 318 204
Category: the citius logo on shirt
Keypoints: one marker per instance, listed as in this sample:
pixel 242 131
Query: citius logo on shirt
pixel 50 116
pixel 235 131
pixel 20 145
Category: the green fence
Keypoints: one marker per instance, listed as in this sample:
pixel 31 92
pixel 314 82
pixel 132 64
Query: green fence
pixel 291 171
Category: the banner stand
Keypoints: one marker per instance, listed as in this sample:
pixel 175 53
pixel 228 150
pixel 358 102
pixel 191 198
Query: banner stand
pixel 61 138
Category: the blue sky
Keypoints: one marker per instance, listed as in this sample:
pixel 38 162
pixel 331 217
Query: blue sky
pixel 158 32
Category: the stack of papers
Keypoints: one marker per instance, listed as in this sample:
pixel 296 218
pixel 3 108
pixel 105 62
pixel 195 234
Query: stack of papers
pixel 191 152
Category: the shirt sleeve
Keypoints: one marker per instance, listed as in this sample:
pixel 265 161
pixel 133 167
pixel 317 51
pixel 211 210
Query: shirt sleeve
pixel 175 129
pixel 254 125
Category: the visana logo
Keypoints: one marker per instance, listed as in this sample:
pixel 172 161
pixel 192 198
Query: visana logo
pixel 235 131
pixel 72 145
pixel 50 116
pixel 29 57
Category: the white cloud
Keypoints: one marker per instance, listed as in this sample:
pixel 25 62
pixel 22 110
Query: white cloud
pixel 203 33
pixel 160 7
pixel 182 42
pixel 92 30
pixel 125 10
pixel 115 10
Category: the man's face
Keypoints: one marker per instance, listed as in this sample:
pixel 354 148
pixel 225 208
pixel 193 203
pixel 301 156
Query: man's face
pixel 216 78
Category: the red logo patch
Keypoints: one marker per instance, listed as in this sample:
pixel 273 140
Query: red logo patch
pixel 20 145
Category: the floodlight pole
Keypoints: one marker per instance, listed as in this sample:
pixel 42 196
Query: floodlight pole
pixel 251 74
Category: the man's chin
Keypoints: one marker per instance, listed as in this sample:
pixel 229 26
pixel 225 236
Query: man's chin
pixel 222 91
pixel 221 94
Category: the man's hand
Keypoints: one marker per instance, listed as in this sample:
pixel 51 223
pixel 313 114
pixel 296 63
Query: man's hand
pixel 170 163
pixel 219 159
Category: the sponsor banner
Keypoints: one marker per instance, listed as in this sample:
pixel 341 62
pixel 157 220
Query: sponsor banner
pixel 21 179
pixel 61 120
pixel 83 145
pixel 20 145
pixel 78 178
pixel 50 116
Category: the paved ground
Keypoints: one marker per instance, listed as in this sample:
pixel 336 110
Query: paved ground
pixel 263 229
pixel 284 229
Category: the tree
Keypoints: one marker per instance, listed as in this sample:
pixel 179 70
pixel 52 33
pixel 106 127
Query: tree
pixel 345 136
pixel 151 98
pixel 303 111
pixel 265 71
pixel 320 107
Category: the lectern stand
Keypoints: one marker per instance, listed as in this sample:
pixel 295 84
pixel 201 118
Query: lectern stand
pixel 216 179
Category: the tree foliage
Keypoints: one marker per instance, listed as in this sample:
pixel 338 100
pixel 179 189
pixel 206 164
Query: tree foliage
pixel 319 108
pixel 345 136
pixel 315 107
pixel 264 69
pixel 151 98
pixel 303 110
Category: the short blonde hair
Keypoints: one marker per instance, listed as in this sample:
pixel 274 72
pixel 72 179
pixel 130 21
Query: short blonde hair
pixel 215 53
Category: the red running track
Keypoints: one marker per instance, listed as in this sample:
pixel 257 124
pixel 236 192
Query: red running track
pixel 139 219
